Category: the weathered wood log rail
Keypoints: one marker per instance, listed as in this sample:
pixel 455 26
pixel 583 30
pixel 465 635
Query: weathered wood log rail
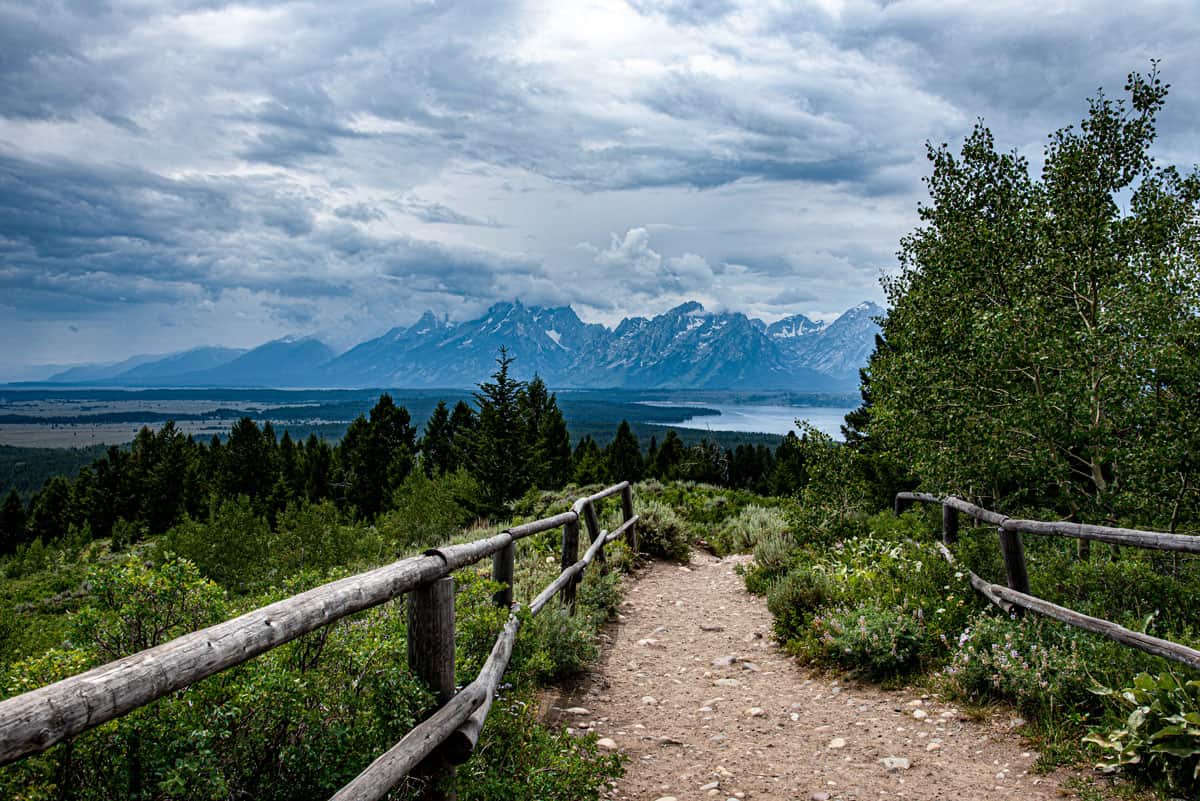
pixel 1016 595
pixel 36 720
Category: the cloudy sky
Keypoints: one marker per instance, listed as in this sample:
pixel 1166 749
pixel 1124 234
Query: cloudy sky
pixel 184 173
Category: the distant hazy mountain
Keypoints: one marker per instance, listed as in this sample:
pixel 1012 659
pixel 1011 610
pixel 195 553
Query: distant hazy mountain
pixel 287 362
pixel 177 365
pixel 102 371
pixel 686 347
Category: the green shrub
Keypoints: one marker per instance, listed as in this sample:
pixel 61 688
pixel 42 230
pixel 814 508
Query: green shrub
pixel 232 547
pixel 309 714
pixel 552 646
pixel 1039 666
pixel 796 597
pixel 745 530
pixel 427 512
pixel 311 537
pixel 134 607
pixel 661 532
pixel 882 641
pixel 1160 737
pixel 773 553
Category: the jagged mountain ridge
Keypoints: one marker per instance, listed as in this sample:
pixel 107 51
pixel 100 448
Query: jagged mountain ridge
pixel 686 347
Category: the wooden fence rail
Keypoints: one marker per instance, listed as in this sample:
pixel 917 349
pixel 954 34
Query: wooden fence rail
pixel 1017 596
pixel 36 720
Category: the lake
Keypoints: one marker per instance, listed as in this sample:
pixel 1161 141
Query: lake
pixel 767 419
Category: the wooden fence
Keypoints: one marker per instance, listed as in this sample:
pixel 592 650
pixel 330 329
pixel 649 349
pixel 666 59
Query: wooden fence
pixel 36 720
pixel 1016 595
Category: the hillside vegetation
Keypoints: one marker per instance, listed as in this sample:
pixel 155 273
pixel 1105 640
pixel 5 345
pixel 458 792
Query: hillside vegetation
pixel 1040 359
pixel 148 543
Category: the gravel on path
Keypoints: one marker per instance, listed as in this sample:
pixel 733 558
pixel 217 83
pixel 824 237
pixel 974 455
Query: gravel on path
pixel 693 690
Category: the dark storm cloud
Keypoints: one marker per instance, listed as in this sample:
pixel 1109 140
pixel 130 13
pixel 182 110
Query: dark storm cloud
pixel 343 166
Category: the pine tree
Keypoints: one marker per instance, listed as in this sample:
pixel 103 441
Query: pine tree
pixel 395 438
pixel 49 515
pixel 553 450
pixel 588 460
pixel 245 466
pixel 289 467
pixel 652 458
pixel 376 456
pixel 462 434
pixel 499 453
pixel 666 463
pixel 12 522
pixel 549 462
pixel 437 441
pixel 624 455
pixel 318 469
pixel 791 470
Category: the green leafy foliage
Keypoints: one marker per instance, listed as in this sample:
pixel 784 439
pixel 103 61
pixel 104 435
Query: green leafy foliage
pixel 428 511
pixel 1161 733
pixel 661 531
pixel 134 607
pixel 518 759
pixel 232 547
pixel 750 527
pixel 878 639
pixel 1039 666
pixel 1033 350
pixel 884 603
pixel 302 719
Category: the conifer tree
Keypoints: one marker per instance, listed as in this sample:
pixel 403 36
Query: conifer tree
pixel 499 453
pixel 550 457
pixel 12 522
pixel 462 434
pixel 623 456
pixel 588 461
pixel 666 463
pixel 791 470
pixel 245 467
pixel 553 450
pixel 437 441
pixel 49 515
pixel 318 469
pixel 376 456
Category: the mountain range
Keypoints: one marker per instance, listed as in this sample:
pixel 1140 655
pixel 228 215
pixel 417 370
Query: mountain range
pixel 684 348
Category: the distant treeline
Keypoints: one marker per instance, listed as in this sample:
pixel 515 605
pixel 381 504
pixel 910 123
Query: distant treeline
pixel 25 470
pixel 511 439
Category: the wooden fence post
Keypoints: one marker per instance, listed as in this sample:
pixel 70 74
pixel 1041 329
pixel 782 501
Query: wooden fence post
pixel 1013 550
pixel 431 658
pixel 949 524
pixel 593 526
pixel 570 555
pixel 627 512
pixel 503 562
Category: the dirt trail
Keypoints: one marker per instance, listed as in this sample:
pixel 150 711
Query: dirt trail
pixel 693 690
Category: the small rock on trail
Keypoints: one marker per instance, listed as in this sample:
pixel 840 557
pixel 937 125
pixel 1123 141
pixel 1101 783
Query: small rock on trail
pixel 665 695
